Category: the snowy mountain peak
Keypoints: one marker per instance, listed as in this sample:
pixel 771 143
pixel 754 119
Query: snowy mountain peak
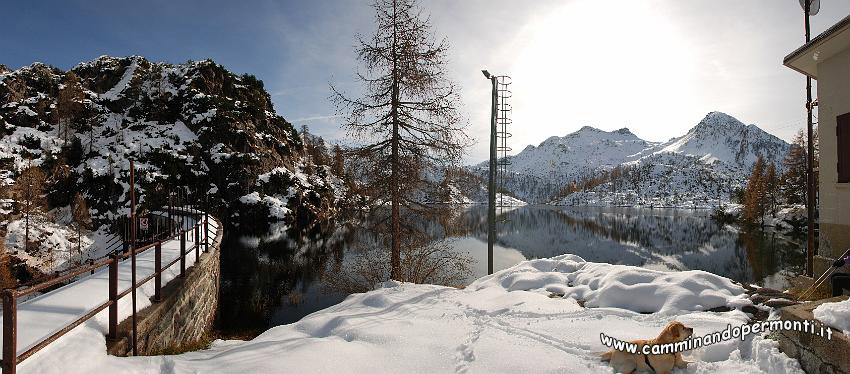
pixel 719 145
pixel 719 136
pixel 589 128
pixel 717 121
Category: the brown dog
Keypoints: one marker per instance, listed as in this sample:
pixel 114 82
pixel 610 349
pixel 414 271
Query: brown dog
pixel 625 362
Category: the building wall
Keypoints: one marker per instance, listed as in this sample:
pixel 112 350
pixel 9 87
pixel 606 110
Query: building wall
pixel 833 100
pixel 185 314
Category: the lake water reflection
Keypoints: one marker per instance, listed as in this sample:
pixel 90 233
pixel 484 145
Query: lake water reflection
pixel 281 270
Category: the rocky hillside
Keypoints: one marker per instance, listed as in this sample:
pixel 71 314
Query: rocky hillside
pixel 194 125
pixel 703 165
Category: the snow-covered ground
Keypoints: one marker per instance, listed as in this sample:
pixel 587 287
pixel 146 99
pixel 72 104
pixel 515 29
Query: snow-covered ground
pixel 512 321
pixel 508 200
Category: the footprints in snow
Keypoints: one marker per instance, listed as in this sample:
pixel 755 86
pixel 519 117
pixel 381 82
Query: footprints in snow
pixel 466 351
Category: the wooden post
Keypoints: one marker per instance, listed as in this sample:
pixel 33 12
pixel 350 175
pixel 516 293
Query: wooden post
pixel 157 269
pixel 113 297
pixel 182 253
pixel 10 333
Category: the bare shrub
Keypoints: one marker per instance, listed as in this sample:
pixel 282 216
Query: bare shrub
pixel 421 262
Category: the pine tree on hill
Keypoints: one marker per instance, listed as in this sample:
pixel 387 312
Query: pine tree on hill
pixel 69 105
pixel 29 195
pixel 82 220
pixel 7 279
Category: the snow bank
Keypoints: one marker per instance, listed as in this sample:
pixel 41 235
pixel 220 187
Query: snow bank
pixel 835 314
pixel 503 323
pixel 620 286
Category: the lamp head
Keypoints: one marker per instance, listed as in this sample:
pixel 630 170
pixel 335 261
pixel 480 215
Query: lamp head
pixel 486 73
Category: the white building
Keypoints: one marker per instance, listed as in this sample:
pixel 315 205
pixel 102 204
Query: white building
pixel 827 59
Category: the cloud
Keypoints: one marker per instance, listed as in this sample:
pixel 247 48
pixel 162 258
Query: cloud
pixel 316 118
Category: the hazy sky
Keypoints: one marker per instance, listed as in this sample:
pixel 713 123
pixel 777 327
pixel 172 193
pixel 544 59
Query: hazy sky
pixel 654 66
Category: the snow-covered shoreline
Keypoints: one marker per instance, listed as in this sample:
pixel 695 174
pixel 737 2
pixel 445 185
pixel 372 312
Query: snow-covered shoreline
pixel 515 320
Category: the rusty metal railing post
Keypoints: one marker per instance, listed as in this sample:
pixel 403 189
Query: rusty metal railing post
pixel 206 231
pixel 113 297
pixel 182 253
pixel 133 246
pixel 10 332
pixel 197 242
pixel 157 270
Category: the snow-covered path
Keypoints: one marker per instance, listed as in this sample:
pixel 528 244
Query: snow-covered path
pixel 505 323
pixel 40 317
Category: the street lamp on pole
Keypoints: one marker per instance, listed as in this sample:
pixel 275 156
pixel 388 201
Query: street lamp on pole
pixel 491 185
pixel 810 8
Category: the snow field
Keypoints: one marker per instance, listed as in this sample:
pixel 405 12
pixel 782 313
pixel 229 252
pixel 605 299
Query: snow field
pixel 507 322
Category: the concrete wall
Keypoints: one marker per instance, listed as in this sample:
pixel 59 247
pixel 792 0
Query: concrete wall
pixel 816 354
pixel 833 101
pixel 186 312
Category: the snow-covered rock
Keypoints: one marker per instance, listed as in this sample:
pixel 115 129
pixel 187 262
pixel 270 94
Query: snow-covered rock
pixel 192 124
pixel 835 314
pixel 619 286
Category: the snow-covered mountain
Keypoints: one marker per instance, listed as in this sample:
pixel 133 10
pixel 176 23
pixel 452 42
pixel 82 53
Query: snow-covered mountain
pixel 698 168
pixel 194 124
pixel 722 137
pixel 579 153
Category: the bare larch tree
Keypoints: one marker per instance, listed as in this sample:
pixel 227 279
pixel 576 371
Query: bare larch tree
pixel 29 195
pixel 407 118
pixel 82 219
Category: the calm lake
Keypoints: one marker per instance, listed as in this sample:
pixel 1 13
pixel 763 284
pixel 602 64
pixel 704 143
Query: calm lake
pixel 274 279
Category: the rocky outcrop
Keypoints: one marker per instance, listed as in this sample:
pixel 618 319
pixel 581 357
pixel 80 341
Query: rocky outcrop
pixel 195 125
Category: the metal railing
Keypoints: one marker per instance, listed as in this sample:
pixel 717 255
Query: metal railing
pixel 10 358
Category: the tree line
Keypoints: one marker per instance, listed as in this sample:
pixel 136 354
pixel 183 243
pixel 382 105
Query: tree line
pixel 28 192
pixel 768 189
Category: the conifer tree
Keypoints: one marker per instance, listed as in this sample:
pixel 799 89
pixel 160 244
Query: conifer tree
pixel 29 194
pixel 771 184
pixel 82 220
pixel 338 162
pixel 407 119
pixel 793 179
pixel 754 197
pixel 69 104
pixel 7 279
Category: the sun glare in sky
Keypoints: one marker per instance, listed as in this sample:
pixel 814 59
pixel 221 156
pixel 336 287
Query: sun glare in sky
pixel 573 70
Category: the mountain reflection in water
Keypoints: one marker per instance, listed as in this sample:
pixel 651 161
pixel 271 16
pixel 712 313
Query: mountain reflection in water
pixel 276 279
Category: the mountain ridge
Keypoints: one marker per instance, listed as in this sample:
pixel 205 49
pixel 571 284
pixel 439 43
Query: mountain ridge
pixel 193 124
pixel 538 173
